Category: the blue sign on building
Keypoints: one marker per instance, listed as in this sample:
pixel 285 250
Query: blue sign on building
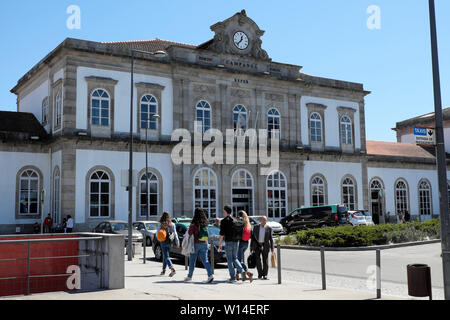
pixel 420 131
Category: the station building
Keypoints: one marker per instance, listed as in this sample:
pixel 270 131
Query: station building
pixel 66 149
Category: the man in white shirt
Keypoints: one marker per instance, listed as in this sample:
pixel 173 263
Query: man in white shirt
pixel 69 224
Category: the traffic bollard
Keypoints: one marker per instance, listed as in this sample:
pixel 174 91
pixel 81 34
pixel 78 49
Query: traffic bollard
pixel 279 263
pixel 212 254
pixel 322 263
pixel 144 243
pixel 378 258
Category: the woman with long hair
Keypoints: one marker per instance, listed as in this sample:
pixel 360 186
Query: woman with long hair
pixel 243 245
pixel 171 237
pixel 199 230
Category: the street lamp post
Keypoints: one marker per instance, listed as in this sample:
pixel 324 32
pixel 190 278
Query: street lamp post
pixel 440 156
pixel 158 54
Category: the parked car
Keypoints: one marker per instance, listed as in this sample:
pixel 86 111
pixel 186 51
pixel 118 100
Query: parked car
pixel 118 227
pixel 277 228
pixel 365 214
pixel 183 220
pixel 219 255
pixel 213 221
pixel 148 230
pixel 356 218
pixel 315 217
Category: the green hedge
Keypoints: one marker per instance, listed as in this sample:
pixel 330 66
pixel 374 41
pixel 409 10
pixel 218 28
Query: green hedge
pixel 360 236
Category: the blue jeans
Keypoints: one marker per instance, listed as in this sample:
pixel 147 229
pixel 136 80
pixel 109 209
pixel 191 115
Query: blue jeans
pixel 165 248
pixel 202 250
pixel 231 249
pixel 243 246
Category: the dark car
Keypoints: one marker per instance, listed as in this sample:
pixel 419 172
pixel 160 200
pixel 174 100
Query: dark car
pixel 219 256
pixel 118 227
pixel 315 217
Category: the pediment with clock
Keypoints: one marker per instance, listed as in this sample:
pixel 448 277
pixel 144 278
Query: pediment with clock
pixel 238 35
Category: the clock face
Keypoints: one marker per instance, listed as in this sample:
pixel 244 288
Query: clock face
pixel 240 40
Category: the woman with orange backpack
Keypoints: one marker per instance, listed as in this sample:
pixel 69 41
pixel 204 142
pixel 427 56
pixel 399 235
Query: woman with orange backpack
pixel 167 235
pixel 243 245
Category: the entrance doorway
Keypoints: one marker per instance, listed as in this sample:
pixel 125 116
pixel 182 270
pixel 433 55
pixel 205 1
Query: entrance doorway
pixel 242 192
pixel 242 199
pixel 377 201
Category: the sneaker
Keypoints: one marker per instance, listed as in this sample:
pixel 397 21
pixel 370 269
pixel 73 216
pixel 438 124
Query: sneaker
pixel 172 273
pixel 187 279
pixel 210 279
pixel 163 273
pixel 231 280
pixel 244 276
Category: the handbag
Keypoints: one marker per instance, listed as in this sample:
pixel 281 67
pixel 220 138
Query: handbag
pixel 251 261
pixel 187 246
pixel 273 259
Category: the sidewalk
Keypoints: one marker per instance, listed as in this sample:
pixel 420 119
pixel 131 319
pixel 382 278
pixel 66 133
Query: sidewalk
pixel 143 282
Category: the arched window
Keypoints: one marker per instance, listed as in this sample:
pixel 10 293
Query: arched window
pixel 56 194
pixel 58 109
pixel 29 193
pixel 240 118
pixel 424 198
pixel 346 130
pixel 99 195
pixel 203 116
pixel 100 108
pixel 205 191
pixel 317 192
pixel 276 195
pixel 149 107
pixel 242 192
pixel 401 196
pixel 45 111
pixel 349 193
pixel 273 122
pixel 152 194
pixel 316 127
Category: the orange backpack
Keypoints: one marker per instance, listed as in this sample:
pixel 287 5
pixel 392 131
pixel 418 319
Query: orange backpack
pixel 161 235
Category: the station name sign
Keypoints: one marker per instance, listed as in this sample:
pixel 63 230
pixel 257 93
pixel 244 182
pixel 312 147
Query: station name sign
pixel 424 136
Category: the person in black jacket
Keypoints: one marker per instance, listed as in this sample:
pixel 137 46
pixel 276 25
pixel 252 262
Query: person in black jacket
pixel 261 244
pixel 228 233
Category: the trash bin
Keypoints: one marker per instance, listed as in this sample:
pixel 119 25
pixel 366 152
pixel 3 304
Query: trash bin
pixel 419 280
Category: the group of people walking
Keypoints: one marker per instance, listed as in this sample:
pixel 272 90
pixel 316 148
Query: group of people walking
pixel 236 235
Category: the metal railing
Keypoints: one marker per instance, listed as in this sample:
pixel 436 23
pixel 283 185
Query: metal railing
pixel 92 248
pixel 323 273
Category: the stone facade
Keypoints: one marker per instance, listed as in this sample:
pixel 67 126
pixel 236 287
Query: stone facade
pixel 222 74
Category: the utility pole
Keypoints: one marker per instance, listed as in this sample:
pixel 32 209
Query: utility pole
pixel 440 156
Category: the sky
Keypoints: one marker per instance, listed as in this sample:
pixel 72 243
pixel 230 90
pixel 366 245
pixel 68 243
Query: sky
pixel 328 38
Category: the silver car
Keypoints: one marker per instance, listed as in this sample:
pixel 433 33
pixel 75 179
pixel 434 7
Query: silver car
pixel 148 230
pixel 118 227
pixel 360 218
pixel 277 228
